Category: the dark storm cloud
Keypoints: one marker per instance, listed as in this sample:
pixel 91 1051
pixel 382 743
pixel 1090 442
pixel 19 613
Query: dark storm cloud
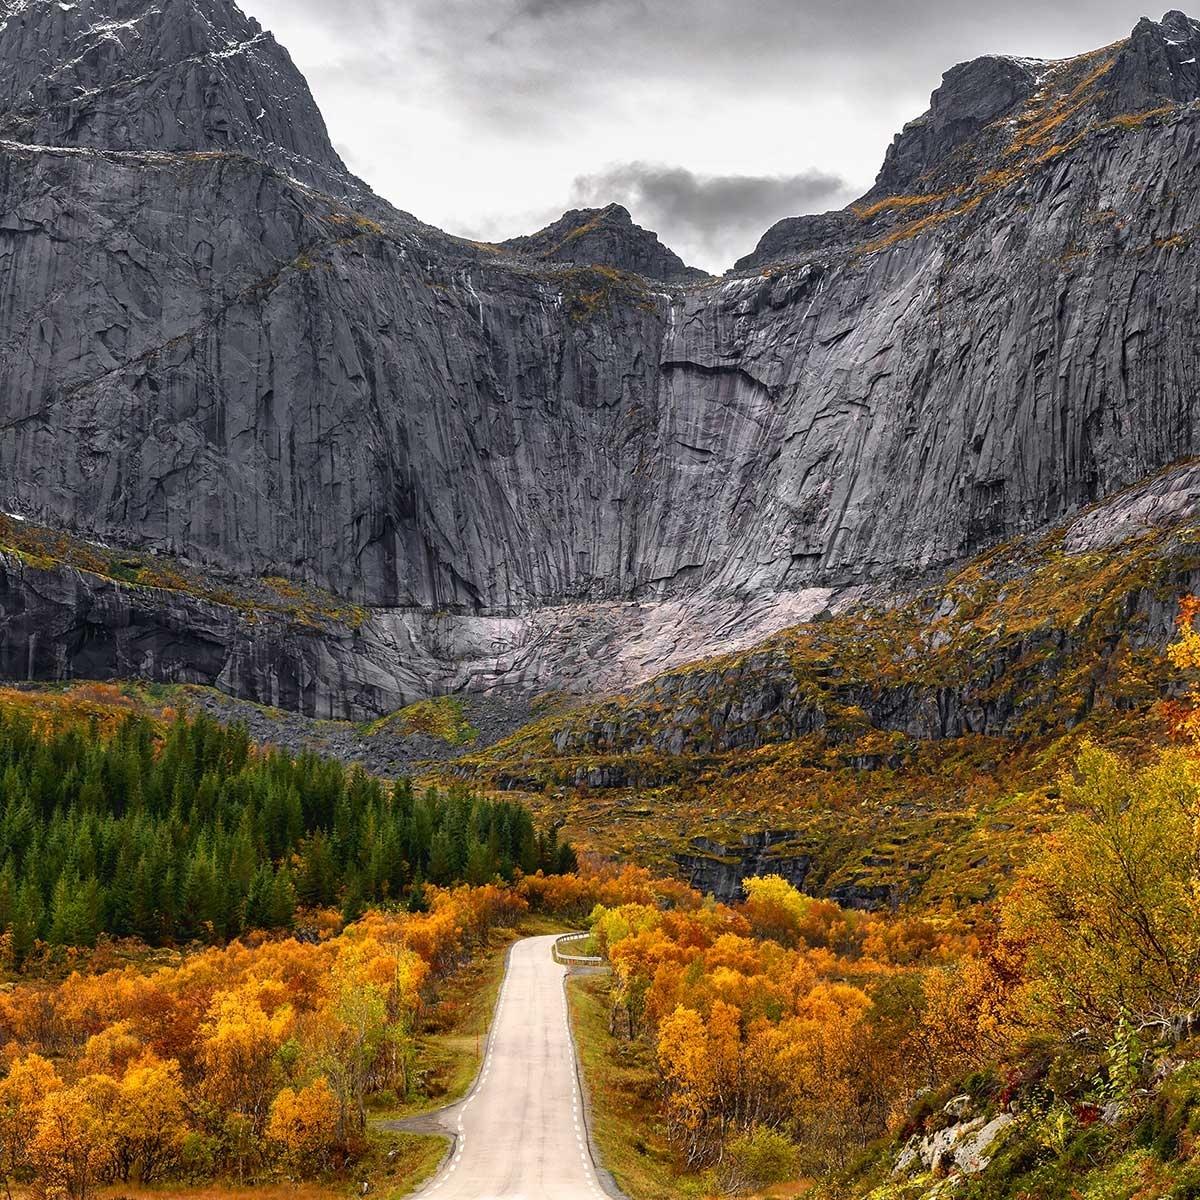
pixel 708 211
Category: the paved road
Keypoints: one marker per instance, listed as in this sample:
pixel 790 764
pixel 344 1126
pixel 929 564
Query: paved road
pixel 520 1134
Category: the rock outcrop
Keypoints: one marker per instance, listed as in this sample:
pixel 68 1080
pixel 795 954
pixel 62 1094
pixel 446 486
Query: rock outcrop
pixel 965 1144
pixel 215 343
pixel 715 869
pixel 605 237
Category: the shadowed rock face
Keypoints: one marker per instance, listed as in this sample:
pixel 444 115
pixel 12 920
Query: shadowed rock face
pixel 605 237
pixel 972 96
pixel 1158 64
pixel 216 343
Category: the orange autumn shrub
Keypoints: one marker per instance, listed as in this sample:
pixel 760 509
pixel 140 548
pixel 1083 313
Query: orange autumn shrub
pixel 304 1123
pixel 260 1051
pixel 764 1015
pixel 605 883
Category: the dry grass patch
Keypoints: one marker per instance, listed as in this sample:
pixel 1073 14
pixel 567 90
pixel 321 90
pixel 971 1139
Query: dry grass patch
pixel 865 212
pixel 922 225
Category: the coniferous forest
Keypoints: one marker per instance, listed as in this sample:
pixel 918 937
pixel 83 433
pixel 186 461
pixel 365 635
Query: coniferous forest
pixel 199 835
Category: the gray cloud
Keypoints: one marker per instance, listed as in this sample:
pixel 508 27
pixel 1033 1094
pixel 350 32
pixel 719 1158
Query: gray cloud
pixel 716 215
pixel 479 114
pixel 537 60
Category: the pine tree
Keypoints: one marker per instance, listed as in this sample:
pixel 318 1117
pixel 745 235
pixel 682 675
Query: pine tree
pixel 481 866
pixel 26 923
pixel 283 900
pixel 195 835
pixel 441 860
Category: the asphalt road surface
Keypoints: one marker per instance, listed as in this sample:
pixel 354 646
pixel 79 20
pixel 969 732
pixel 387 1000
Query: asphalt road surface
pixel 520 1134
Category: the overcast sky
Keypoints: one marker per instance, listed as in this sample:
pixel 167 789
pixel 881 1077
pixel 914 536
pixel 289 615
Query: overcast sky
pixel 708 119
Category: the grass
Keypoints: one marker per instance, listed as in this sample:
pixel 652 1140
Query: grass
pixel 415 1159
pixel 1050 109
pixel 1136 120
pixel 622 1090
pixel 357 222
pixel 864 212
pixel 920 226
pixel 216 1191
pixel 591 291
pixel 442 718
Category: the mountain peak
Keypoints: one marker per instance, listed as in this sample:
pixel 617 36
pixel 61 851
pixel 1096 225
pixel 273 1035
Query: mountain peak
pixel 164 75
pixel 997 119
pixel 1157 64
pixel 972 95
pixel 605 237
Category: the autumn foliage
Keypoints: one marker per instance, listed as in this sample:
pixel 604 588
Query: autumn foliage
pixel 232 1061
pixel 785 1022
pixel 782 1014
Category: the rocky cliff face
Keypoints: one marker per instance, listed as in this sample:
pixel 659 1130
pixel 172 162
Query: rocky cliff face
pixel 214 343
pixel 1020 643
pixel 168 75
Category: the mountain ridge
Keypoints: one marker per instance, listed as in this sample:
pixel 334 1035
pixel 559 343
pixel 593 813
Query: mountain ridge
pixel 159 74
pixel 985 119
pixel 486 449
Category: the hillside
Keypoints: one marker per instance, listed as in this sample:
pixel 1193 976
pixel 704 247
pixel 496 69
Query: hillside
pixel 902 750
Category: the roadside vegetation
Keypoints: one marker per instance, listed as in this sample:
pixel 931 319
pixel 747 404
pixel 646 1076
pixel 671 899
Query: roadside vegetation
pixel 271 1058
pixel 218 961
pixel 1044 1046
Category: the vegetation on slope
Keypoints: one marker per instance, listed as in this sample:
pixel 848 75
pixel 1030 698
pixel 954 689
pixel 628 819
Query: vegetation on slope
pixel 910 751
pixel 48 549
pixel 1045 1047
pixel 441 718
pixel 196 834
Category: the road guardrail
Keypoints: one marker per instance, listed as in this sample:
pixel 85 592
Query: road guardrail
pixel 575 960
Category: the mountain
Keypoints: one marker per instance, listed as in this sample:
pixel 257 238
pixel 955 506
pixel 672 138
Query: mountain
pixel 224 362
pixel 169 75
pixel 995 119
pixel 605 237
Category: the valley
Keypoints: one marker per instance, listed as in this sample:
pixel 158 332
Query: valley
pixel 816 641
